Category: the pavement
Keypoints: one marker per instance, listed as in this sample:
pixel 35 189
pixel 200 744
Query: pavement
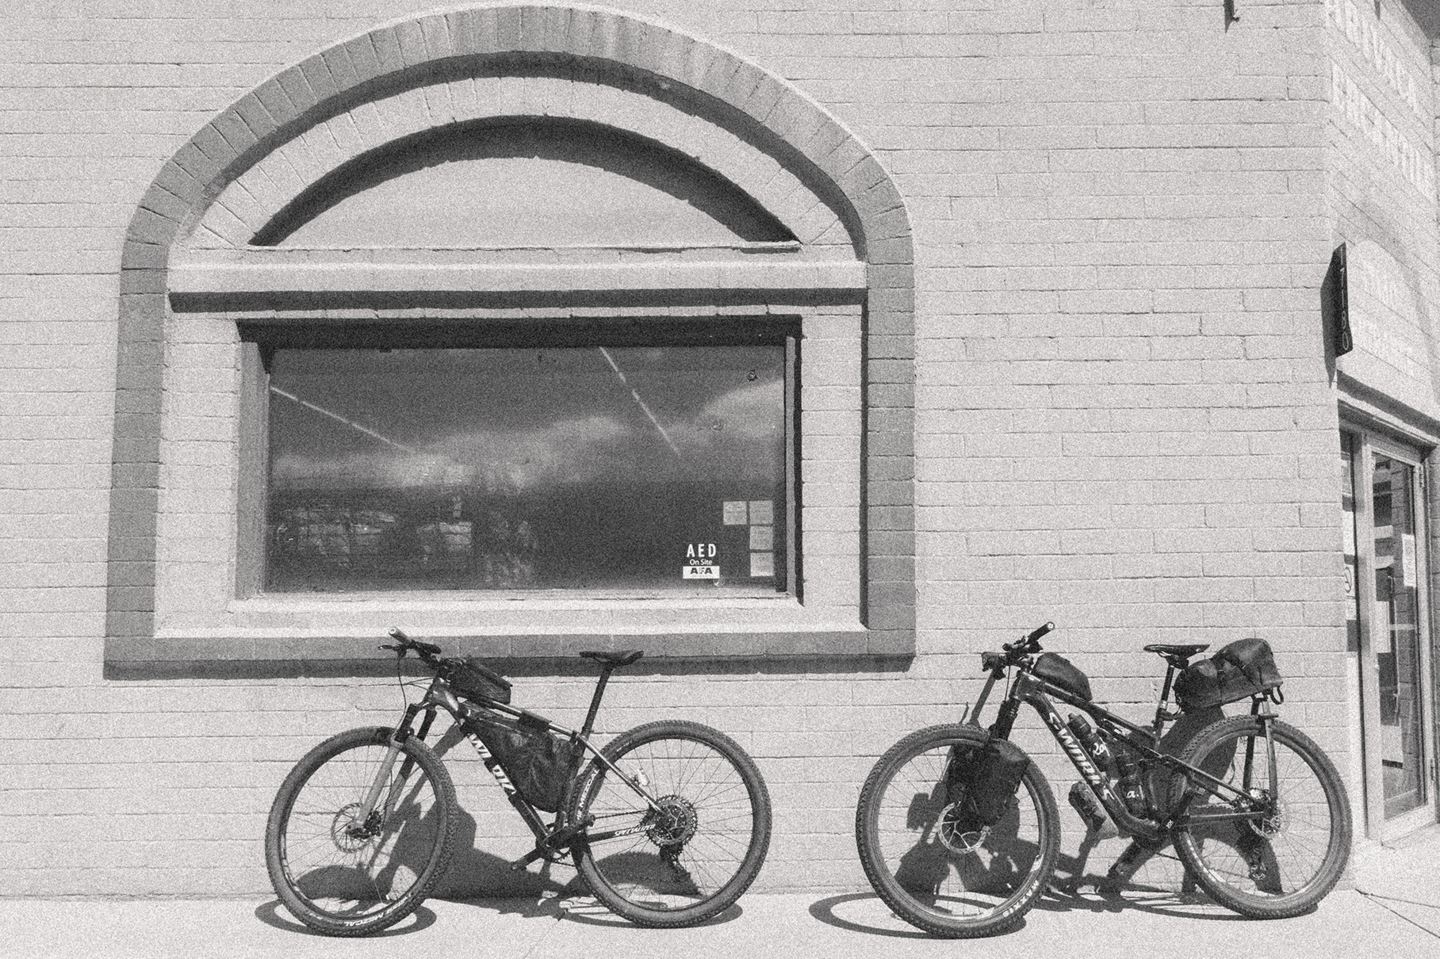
pixel 1393 909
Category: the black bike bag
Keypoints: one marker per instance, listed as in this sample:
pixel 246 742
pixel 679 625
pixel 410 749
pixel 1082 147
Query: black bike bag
pixel 983 780
pixel 473 681
pixel 1059 671
pixel 1242 669
pixel 536 760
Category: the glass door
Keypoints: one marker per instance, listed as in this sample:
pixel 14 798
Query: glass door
pixel 1386 567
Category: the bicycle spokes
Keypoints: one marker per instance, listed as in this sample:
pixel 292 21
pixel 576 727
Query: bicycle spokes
pixel 1272 836
pixel 350 861
pixel 942 860
pixel 679 838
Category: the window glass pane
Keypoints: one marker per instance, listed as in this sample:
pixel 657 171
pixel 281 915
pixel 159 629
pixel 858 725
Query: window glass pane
pixel 1396 635
pixel 524 468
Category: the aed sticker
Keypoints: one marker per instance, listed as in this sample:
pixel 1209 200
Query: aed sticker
pixel 700 562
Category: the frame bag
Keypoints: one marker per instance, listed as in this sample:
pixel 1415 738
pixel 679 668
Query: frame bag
pixel 536 760
pixel 1059 671
pixel 1238 671
pixel 473 681
pixel 983 780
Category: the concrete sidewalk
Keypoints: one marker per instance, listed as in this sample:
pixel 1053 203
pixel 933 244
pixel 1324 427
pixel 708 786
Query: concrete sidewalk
pixel 1404 878
pixel 1347 923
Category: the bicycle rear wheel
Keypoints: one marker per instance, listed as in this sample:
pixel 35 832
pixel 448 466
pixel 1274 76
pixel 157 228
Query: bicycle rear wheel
pixel 1278 864
pixel 693 853
pixel 346 877
pixel 939 872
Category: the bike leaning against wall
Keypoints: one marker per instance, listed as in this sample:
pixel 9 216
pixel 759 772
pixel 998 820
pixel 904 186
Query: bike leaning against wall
pixel 959 832
pixel 668 823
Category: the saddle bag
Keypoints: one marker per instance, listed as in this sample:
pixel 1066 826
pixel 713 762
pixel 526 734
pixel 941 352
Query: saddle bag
pixel 1238 671
pixel 983 780
pixel 536 760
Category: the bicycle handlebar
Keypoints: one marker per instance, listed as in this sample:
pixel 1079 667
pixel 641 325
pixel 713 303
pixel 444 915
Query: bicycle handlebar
pixel 1012 653
pixel 404 644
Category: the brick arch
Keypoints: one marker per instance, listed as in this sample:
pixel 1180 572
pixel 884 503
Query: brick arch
pixel 797 132
pixel 257 195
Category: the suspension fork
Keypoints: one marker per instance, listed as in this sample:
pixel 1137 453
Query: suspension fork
pixel 397 741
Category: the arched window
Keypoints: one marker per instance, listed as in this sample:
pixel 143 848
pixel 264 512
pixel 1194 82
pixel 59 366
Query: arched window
pixel 466 324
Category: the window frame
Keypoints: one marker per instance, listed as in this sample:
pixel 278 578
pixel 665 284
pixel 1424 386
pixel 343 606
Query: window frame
pixel 188 275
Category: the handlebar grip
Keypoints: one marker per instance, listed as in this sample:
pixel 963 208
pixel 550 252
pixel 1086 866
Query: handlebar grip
pixel 394 633
pixel 1039 632
pixel 989 662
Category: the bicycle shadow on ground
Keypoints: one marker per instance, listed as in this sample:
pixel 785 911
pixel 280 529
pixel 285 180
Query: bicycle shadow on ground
pixel 1070 889
pixel 1177 895
pixel 826 911
pixel 271 914
pixel 576 905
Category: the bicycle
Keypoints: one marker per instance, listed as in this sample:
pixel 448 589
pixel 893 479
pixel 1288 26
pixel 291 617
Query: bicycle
pixel 1256 811
pixel 668 824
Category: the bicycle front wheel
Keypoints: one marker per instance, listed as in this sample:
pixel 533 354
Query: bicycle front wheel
pixel 936 869
pixel 1284 859
pixel 344 873
pixel 686 843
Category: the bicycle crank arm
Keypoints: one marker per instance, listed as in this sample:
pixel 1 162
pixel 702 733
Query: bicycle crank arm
pixel 553 843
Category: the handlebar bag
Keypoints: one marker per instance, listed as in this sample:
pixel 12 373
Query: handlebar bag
pixel 1059 671
pixel 473 681
pixel 983 780
pixel 1240 670
pixel 536 760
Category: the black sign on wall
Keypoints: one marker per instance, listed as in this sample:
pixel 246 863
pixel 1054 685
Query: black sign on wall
pixel 1335 299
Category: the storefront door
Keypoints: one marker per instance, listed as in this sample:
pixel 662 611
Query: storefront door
pixel 1386 539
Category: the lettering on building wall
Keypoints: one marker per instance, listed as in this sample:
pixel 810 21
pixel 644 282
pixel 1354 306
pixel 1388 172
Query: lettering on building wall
pixel 1365 35
pixel 1384 315
pixel 1361 113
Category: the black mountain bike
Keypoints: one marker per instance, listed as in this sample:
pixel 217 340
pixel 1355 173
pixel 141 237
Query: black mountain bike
pixel 668 824
pixel 1256 811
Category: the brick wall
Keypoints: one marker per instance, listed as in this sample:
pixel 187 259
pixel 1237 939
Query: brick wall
pixel 1123 418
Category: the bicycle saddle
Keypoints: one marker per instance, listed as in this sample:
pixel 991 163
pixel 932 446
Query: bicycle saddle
pixel 623 658
pixel 1181 651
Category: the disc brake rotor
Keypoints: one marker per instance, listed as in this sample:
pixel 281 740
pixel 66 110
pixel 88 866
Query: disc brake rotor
pixel 958 832
pixel 1273 820
pixel 347 832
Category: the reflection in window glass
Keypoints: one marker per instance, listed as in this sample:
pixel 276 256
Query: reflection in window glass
pixel 1396 635
pixel 577 467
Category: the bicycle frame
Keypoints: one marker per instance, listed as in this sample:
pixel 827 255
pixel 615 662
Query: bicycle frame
pixel 1037 693
pixel 548 839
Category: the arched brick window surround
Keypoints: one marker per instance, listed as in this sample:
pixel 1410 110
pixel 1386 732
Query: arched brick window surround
pixel 806 148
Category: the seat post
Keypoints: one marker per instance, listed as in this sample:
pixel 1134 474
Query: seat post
pixel 1161 713
pixel 605 672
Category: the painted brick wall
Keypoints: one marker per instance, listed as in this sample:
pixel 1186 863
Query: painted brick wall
pixel 1123 421
pixel 1381 200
